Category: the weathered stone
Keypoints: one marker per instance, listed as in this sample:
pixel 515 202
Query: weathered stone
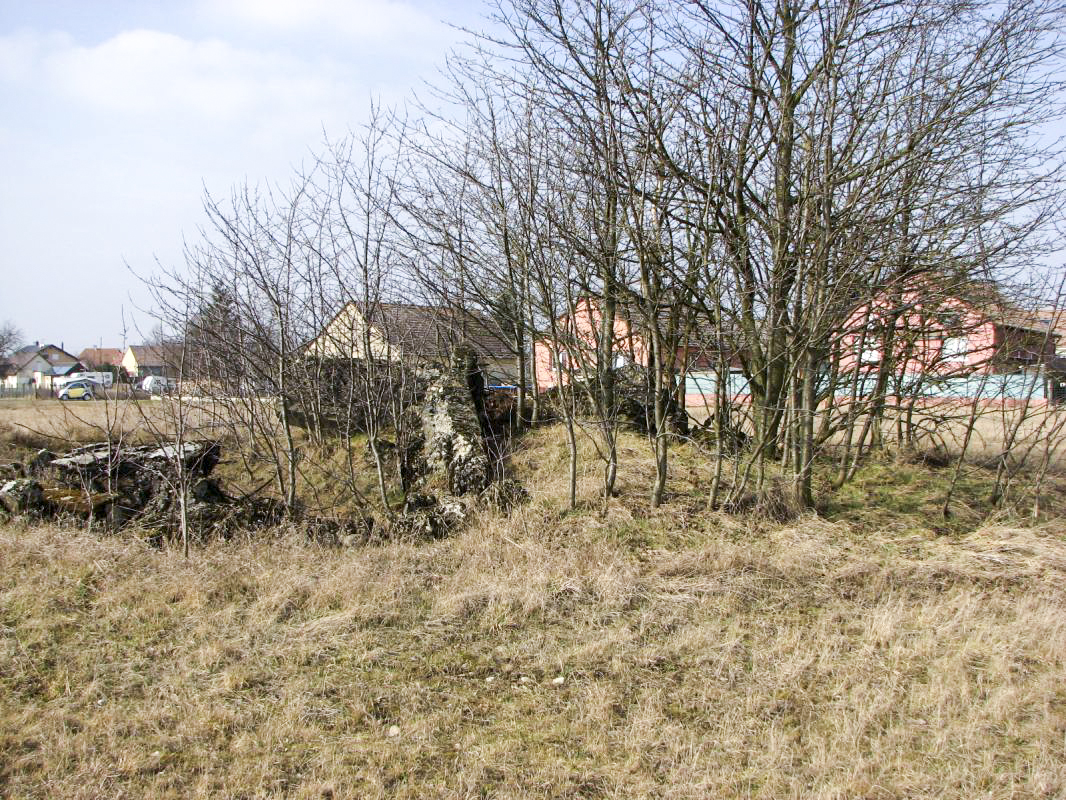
pixel 9 472
pixel 412 461
pixel 23 496
pixel 208 491
pixel 453 513
pixel 76 501
pixel 121 484
pixel 40 461
pixel 414 502
pixel 345 531
pixel 100 461
pixel 415 525
pixel 452 426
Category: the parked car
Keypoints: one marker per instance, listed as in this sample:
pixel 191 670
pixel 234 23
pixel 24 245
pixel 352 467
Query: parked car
pixel 78 390
pixel 102 379
pixel 157 384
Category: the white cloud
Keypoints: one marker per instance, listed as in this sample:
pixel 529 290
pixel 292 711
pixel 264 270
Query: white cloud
pixel 116 136
pixel 149 72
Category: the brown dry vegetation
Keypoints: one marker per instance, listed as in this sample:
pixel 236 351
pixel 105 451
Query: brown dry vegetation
pixel 701 656
pixel 53 423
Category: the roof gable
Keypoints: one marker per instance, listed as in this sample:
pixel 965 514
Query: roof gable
pixel 24 355
pixel 435 330
pixel 156 355
pixel 111 356
pixel 418 331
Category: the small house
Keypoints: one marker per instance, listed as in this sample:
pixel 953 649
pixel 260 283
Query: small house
pixel 143 360
pixel 572 346
pixel 103 359
pixel 969 343
pixel 36 365
pixel 417 334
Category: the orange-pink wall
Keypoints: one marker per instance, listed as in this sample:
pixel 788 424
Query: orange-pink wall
pixel 579 335
pixel 920 337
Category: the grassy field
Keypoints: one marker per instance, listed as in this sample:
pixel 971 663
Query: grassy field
pixel 27 424
pixel 671 653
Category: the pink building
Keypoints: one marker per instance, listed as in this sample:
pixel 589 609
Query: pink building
pixel 942 347
pixel 578 343
pixel 944 336
pixel 576 350
pixel 953 347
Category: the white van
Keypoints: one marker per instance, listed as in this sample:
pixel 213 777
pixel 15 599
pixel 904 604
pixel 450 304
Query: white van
pixel 105 379
pixel 157 384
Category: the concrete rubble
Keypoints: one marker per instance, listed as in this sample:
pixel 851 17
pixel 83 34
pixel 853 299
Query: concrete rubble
pixel 120 485
pixel 451 474
pixel 456 431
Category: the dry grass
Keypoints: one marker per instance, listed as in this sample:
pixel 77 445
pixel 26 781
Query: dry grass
pixel 1031 428
pixel 53 423
pixel 700 657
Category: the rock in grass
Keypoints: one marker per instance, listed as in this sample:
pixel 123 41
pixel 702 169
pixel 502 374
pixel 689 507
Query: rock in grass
pixel 451 424
pixel 22 496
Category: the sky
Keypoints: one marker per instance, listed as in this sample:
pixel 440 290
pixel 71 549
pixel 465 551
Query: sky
pixel 116 116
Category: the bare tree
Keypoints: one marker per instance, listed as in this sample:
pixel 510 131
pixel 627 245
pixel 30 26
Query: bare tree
pixel 10 337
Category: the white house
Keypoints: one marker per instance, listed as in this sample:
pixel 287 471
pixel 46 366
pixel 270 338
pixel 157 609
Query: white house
pixel 415 334
pixel 36 365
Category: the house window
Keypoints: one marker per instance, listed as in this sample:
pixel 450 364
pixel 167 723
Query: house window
pixel 871 353
pixel 955 348
pixel 868 347
pixel 950 321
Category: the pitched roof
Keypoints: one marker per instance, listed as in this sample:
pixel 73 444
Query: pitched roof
pixel 24 355
pixel 434 330
pixel 1024 320
pixel 993 301
pixel 156 355
pixel 100 355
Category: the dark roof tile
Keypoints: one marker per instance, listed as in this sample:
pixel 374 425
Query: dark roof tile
pixel 434 330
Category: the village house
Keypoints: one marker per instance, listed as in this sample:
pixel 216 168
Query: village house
pixel 102 359
pixel 978 346
pixel 966 344
pixel 573 347
pixel 1055 319
pixel 576 341
pixel 416 334
pixel 36 365
pixel 140 361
